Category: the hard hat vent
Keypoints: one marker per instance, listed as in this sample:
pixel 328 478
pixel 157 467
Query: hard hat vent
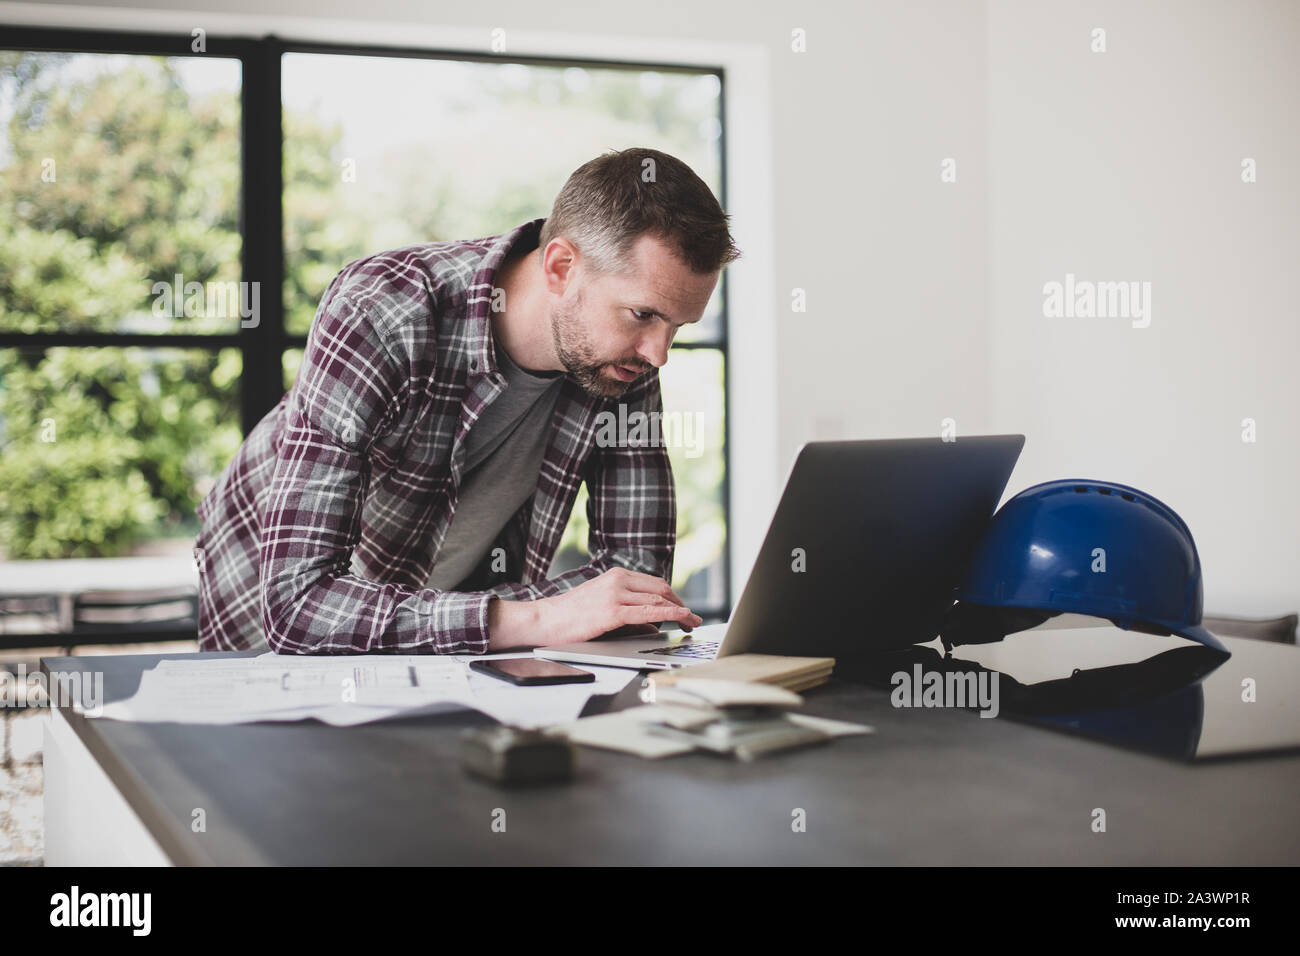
pixel 1084 489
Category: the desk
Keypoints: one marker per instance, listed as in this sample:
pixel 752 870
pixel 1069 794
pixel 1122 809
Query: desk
pixel 931 786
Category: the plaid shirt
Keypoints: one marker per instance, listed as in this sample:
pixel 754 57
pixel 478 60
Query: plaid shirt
pixel 319 535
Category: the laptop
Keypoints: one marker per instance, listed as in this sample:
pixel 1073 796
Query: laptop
pixel 865 552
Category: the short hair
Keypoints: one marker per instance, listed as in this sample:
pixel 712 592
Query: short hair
pixel 611 201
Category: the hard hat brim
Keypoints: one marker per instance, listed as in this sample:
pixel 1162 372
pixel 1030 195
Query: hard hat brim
pixel 1197 633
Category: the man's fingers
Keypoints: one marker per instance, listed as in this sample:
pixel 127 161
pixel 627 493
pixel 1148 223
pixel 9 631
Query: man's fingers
pixel 647 599
pixel 650 613
pixel 649 584
pixel 656 601
pixel 632 630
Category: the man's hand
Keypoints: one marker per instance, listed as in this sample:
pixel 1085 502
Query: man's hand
pixel 617 600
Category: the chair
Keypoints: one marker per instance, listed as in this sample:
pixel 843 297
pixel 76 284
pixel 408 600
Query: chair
pixel 159 614
pixel 1277 630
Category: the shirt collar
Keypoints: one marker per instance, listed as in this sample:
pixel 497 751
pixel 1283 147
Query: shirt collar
pixel 481 348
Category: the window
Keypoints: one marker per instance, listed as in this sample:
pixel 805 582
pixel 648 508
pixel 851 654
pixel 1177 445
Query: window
pixel 121 185
pixel 137 304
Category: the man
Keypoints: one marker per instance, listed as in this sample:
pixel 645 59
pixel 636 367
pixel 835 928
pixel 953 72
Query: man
pixel 408 494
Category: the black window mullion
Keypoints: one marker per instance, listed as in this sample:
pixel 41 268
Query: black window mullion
pixel 147 340
pixel 61 40
pixel 262 228
pixel 724 346
pixel 262 256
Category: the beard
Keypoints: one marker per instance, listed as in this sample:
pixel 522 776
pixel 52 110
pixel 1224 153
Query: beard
pixel 578 357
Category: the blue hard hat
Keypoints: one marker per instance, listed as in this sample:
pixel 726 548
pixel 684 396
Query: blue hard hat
pixel 1095 548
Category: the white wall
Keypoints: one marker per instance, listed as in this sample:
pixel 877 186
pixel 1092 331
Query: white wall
pixel 1127 165
pixel 924 297
pixel 892 258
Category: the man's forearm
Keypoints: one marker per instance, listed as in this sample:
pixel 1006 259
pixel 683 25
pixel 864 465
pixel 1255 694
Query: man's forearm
pixel 512 623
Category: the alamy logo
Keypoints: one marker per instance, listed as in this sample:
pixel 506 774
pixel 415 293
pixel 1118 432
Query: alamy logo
pixel 80 691
pixel 210 300
pixel 923 688
pixel 102 909
pixel 651 429
pixel 1084 299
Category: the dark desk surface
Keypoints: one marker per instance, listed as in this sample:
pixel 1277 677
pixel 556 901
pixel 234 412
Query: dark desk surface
pixel 931 786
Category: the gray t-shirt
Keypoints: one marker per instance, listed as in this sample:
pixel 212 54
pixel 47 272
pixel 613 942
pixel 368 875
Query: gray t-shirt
pixel 503 456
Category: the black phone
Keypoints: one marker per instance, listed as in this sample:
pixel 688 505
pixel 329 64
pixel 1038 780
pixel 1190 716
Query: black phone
pixel 532 671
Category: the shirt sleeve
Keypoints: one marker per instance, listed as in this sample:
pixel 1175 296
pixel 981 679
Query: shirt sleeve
pixel 350 392
pixel 631 502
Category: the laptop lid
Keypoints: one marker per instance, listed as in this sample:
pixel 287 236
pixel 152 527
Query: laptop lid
pixel 868 544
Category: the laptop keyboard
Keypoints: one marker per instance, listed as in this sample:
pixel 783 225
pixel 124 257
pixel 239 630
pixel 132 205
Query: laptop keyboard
pixel 704 649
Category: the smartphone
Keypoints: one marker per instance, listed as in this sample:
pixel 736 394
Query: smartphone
pixel 532 671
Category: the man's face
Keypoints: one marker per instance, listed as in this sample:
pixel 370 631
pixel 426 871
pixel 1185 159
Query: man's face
pixel 610 330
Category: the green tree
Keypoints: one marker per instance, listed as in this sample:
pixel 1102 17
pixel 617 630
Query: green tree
pixel 112 177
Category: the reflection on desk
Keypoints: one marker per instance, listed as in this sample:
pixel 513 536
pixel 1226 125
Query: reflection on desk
pixel 1158 694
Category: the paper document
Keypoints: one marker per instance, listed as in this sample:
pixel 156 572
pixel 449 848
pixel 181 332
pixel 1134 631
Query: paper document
pixel 346 690
pixel 639 730
pixel 629 731
pixel 544 705
pixel 342 690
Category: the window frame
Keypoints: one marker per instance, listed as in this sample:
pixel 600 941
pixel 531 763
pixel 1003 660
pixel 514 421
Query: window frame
pixel 261 209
